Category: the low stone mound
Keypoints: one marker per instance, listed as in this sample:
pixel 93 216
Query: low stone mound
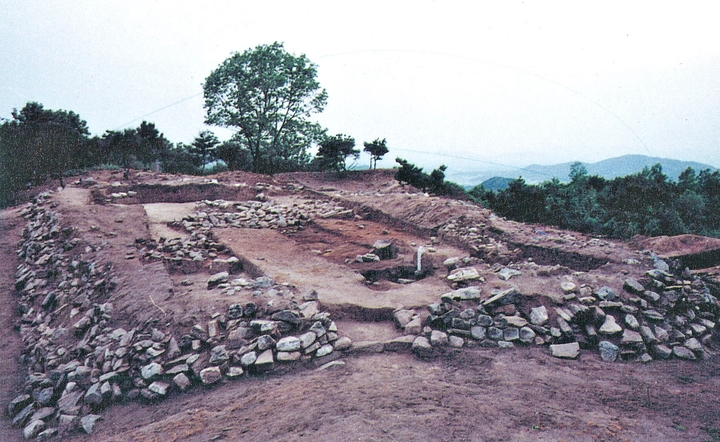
pixel 661 317
pixel 80 360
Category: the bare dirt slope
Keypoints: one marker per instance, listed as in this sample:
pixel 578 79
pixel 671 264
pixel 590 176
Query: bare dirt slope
pixel 463 394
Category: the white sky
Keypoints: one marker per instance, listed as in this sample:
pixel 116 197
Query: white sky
pixel 513 83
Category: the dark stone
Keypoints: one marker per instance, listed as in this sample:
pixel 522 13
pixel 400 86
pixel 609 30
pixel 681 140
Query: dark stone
pixel 461 324
pixel 250 309
pixel 235 311
pixel 264 342
pixel 50 301
pixel 495 333
pixel 633 286
pixel 185 342
pixel 484 321
pixel 288 316
pixel 437 309
pixel 43 396
pixel 18 404
pixel 605 294
pixel 22 417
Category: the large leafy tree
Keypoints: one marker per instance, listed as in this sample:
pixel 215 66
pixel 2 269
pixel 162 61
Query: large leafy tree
pixel 268 95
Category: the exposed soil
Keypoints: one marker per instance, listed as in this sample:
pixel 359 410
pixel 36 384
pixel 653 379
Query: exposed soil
pixel 470 394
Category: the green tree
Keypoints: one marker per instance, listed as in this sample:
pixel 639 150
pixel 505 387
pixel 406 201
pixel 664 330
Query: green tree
pixel 40 143
pixel 376 149
pixel 178 159
pixel 578 171
pixel 234 154
pixel 35 113
pixel 268 95
pixel 204 148
pixel 334 151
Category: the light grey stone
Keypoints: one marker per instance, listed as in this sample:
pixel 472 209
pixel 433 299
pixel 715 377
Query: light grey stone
pixel 464 274
pixel 609 352
pixel 682 352
pixel 507 273
pixel 307 339
pixel 342 343
pixel 527 335
pixel 324 351
pixel 438 338
pixel 478 332
pixel 610 327
pixel 181 381
pixel 631 321
pixel 288 344
pixel 288 356
pixel 401 343
pixel 403 317
pixel 265 360
pixel 210 375
pixel 88 422
pixel 539 315
pixel 159 388
pixel 566 351
pixel 151 371
pixel 421 347
pixel 414 327
pixel 456 341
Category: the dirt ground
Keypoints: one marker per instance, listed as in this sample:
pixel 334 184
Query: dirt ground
pixel 470 394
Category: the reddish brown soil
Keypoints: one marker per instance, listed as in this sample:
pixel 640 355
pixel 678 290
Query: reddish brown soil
pixel 466 395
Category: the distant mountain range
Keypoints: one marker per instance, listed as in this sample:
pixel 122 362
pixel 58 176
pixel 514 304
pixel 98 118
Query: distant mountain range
pixel 610 168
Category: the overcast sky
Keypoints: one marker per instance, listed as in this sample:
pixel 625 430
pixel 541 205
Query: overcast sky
pixel 511 83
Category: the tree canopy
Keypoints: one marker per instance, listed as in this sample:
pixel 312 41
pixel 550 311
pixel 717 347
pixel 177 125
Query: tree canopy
pixel 204 148
pixel 334 151
pixel 377 149
pixel 646 203
pixel 268 95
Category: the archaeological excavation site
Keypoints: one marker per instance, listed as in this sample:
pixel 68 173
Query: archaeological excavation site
pixel 312 306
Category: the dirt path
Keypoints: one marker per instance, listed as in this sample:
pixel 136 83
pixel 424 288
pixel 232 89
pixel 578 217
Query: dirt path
pixel 12 372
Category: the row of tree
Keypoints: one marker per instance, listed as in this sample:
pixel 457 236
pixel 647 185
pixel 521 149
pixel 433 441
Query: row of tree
pixel 38 144
pixel 646 203
pixel 265 94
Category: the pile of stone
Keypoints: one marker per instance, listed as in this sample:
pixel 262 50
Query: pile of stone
pixel 260 215
pixel 80 361
pixel 662 317
pixel 187 256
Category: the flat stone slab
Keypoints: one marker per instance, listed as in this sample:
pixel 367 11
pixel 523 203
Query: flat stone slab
pixel 566 351
pixel 401 343
pixel 464 294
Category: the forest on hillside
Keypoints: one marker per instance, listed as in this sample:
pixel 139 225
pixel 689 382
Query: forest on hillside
pixel 646 203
